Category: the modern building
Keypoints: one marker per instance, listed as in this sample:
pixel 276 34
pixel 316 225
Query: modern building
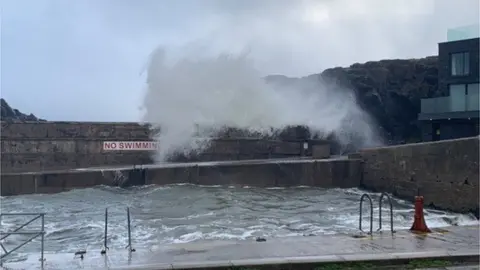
pixel 456 113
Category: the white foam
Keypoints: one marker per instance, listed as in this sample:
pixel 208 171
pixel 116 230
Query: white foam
pixel 194 216
pixel 189 237
pixel 73 223
pixel 200 95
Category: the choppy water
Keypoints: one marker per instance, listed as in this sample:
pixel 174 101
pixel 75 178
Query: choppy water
pixel 182 213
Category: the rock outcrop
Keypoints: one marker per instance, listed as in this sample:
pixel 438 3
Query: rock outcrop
pixel 10 114
pixel 388 90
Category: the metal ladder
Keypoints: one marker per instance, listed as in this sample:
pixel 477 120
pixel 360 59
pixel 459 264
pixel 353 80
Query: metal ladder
pixel 379 213
pixel 105 239
pixel 34 234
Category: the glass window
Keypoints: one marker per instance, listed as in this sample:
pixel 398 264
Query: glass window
pixel 460 64
pixel 473 98
pixel 457 97
pixel 473 89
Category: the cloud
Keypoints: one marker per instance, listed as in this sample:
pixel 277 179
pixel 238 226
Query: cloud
pixel 82 60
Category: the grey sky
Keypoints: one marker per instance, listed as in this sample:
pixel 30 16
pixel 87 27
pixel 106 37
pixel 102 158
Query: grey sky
pixel 82 60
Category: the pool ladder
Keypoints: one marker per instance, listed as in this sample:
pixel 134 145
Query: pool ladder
pixel 105 239
pixel 366 196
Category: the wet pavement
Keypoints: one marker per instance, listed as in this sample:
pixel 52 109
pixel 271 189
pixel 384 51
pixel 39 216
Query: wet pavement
pixel 446 242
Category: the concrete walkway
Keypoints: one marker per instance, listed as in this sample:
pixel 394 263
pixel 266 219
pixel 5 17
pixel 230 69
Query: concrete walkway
pixel 460 242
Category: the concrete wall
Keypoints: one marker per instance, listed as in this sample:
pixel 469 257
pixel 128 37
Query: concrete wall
pixel 60 145
pixel 251 148
pixel 322 173
pixel 319 173
pixel 17 184
pixel 38 146
pixel 446 173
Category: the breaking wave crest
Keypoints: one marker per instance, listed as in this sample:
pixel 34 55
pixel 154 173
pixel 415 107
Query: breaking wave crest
pixel 193 96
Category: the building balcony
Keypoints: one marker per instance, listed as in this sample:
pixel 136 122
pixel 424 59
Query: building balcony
pixel 465 106
pixel 464 32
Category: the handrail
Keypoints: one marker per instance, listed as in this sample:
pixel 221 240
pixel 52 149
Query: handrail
pixel 105 247
pixel 21 214
pixel 371 212
pixel 17 231
pixel 380 212
pixel 129 246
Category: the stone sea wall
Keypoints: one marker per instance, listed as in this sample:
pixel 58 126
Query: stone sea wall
pixel 446 173
pixel 341 173
pixel 34 146
pixel 40 146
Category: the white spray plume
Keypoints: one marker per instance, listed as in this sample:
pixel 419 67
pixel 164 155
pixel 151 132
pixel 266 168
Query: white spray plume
pixel 227 91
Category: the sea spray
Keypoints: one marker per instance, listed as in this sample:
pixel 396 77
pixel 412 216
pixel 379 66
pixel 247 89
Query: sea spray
pixel 196 96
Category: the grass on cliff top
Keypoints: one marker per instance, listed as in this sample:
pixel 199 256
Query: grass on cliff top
pixel 413 264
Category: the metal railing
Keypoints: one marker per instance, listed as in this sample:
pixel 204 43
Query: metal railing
pixel 105 246
pixel 463 32
pixel 379 214
pixel 41 233
pixel 450 104
pixel 105 239
pixel 129 246
pixel 17 231
pixel 361 212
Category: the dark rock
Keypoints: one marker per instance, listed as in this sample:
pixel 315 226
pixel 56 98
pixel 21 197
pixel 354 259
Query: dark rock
pixel 388 90
pixel 14 115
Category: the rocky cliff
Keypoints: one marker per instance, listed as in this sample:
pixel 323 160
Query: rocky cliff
pixel 10 114
pixel 389 90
